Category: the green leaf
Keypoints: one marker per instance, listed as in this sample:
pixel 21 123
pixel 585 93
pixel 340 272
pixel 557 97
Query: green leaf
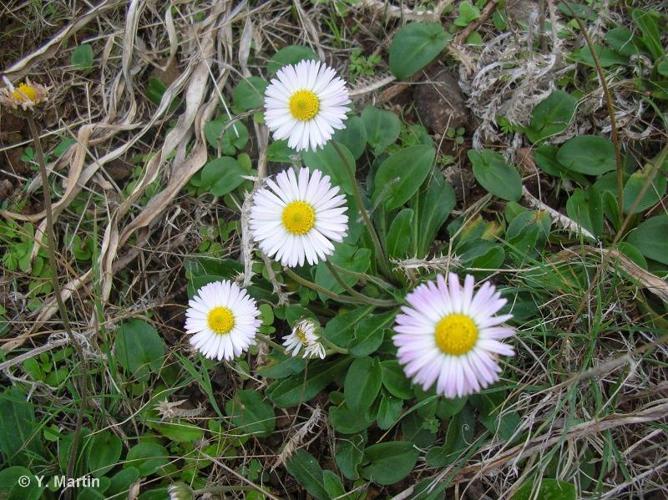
pixel 459 435
pixel 347 257
pixel 362 383
pixel 329 162
pixel 279 152
pixel 584 207
pixel 389 411
pixel 138 348
pixel 606 57
pixel 467 14
pixel 13 489
pixel 291 54
pixel 632 253
pixel 495 175
pixel 347 421
pixel 227 137
pixel 382 128
pixel 307 471
pixel 587 154
pixel 349 454
pixel 389 462
pixel 395 381
pixel 551 116
pixel 545 157
pixel 19 432
pixel 155 90
pixel 283 367
pixel 82 57
pixel 548 489
pixel 399 235
pixel 622 40
pixel 353 136
pixel 648 23
pixel 222 175
pixel 249 93
pixel 333 484
pixel 414 46
pixel 148 457
pixel 122 480
pixel 433 205
pixel 104 451
pixel 654 193
pixel 340 329
pixel 650 238
pixel 369 334
pixel 250 413
pixel 294 390
pixel 400 176
pixel 179 431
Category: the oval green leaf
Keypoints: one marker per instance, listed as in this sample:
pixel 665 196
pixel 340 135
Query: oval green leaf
pixel 495 175
pixel 416 45
pixel 587 154
pixel 400 176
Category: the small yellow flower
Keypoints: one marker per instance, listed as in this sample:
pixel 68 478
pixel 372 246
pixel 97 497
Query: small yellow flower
pixel 25 95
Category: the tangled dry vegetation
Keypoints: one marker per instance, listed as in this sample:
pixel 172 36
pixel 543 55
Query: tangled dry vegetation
pixel 591 397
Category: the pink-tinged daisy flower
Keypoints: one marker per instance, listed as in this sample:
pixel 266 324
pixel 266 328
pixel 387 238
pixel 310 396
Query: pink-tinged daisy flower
pixel 222 319
pixel 305 104
pixel 449 336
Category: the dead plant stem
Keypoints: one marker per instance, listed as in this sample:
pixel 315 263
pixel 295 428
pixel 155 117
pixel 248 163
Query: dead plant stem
pixel 614 134
pixel 51 252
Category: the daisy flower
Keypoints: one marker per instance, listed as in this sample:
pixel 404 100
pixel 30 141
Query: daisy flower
pixel 449 336
pixel 295 218
pixel 222 319
pixel 26 95
pixel 304 335
pixel 305 103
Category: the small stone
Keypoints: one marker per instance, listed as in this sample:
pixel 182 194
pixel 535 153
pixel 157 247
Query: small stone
pixel 440 102
pixel 118 170
pixel 6 189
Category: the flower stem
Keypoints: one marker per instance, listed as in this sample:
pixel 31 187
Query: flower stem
pixel 265 338
pixel 327 293
pixel 51 251
pixel 333 347
pixel 614 134
pixel 380 253
pixel 355 293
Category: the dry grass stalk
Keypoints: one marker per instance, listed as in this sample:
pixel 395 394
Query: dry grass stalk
pixel 298 437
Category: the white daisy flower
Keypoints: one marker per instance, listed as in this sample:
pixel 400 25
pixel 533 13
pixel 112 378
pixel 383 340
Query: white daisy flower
pixel 222 319
pixel 450 336
pixel 296 219
pixel 305 103
pixel 304 335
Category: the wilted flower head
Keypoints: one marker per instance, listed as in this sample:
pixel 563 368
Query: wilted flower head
pixel 180 491
pixel 305 336
pixel 25 96
pixel 451 337
pixel 305 103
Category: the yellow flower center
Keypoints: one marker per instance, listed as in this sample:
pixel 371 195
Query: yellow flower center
pixel 304 105
pixel 24 93
pixel 456 334
pixel 301 335
pixel 298 217
pixel 221 320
